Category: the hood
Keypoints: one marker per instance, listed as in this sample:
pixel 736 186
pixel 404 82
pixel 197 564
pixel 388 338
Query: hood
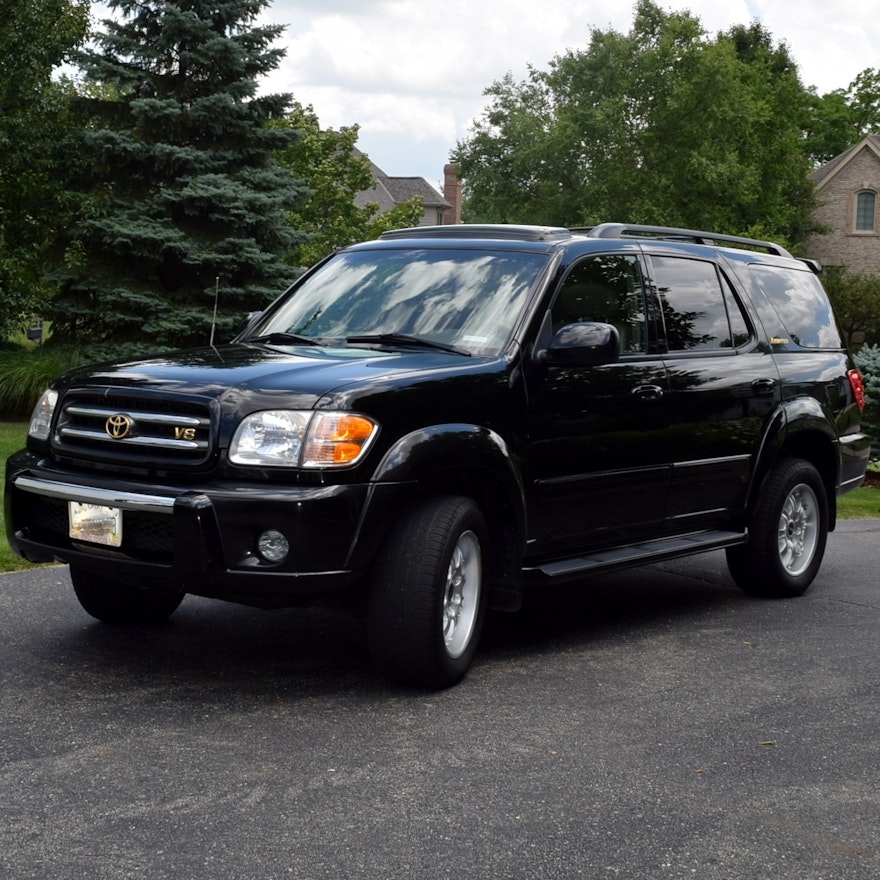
pixel 301 375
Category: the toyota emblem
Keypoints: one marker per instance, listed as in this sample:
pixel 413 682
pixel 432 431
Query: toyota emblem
pixel 118 426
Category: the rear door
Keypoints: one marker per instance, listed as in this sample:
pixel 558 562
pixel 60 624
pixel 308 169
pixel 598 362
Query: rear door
pixel 723 387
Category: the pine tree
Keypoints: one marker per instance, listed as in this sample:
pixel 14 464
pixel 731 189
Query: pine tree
pixel 182 196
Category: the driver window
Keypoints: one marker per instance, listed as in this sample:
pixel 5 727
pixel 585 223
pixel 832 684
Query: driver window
pixel 606 288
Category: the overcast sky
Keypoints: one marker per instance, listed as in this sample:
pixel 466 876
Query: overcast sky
pixel 411 73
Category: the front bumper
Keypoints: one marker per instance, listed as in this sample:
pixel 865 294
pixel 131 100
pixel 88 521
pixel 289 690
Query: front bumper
pixel 202 540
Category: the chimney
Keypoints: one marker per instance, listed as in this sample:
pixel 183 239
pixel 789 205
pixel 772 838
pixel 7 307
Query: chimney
pixel 452 194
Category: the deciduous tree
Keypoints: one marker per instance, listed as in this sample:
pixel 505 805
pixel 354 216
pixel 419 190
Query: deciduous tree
pixel 35 37
pixel 328 161
pixel 661 125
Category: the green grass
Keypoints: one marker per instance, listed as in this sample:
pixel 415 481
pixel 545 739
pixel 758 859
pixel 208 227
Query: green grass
pixel 12 437
pixel 860 504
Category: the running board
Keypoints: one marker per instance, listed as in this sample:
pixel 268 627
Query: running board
pixel 632 555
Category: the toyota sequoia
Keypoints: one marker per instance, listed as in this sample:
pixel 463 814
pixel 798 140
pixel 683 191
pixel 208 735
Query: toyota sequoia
pixel 424 425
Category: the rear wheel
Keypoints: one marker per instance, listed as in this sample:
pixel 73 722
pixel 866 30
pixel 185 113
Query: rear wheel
pixel 112 601
pixel 427 596
pixel 787 534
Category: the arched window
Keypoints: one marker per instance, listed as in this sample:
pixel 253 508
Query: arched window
pixel 865 202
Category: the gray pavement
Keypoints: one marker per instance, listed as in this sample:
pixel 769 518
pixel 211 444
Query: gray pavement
pixel 654 724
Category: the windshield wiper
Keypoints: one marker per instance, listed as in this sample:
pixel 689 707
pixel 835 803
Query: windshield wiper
pixel 285 339
pixel 404 339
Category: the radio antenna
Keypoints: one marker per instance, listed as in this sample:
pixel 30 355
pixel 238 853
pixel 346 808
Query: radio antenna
pixel 216 300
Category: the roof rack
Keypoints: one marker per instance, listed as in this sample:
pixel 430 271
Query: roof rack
pixel 671 233
pixel 482 230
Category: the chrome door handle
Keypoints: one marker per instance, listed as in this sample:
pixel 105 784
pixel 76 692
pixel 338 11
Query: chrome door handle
pixel 647 392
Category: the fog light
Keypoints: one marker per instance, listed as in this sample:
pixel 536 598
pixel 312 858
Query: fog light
pixel 273 546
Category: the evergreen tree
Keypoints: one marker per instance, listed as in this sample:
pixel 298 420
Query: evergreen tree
pixel 868 362
pixel 181 191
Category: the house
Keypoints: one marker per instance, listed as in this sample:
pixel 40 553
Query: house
pixel 847 189
pixel 387 192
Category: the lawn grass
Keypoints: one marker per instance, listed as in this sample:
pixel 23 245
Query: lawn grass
pixel 12 437
pixel 859 504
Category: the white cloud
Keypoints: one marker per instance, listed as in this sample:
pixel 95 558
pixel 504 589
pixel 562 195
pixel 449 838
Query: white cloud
pixel 411 73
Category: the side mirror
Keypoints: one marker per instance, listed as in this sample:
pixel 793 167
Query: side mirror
pixel 585 344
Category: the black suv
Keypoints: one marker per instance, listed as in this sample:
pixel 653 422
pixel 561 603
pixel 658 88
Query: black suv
pixel 427 423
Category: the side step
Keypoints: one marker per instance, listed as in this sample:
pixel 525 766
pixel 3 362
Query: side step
pixel 632 555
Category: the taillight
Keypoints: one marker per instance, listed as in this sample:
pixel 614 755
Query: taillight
pixel 858 387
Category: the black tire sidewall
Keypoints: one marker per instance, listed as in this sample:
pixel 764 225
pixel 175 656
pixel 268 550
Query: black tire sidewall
pixel 407 587
pixel 111 601
pixel 756 566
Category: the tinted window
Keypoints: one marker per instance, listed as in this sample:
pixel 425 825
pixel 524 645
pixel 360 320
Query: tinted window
pixel 693 304
pixel 606 288
pixel 801 304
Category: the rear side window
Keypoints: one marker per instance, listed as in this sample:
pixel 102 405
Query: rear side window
pixel 801 304
pixel 700 311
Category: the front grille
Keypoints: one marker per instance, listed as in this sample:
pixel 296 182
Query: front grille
pixel 141 430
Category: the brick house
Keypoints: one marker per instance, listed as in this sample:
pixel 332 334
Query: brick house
pixel 847 190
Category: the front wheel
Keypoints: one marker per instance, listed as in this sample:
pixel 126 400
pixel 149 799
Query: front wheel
pixel 427 595
pixel 113 601
pixel 787 534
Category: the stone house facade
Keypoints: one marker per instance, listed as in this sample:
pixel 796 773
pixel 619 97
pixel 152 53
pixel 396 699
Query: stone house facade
pixel 848 196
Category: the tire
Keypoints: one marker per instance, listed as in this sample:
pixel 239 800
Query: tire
pixel 427 597
pixel 787 534
pixel 111 601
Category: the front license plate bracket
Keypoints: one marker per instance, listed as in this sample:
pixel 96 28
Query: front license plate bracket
pixel 95 523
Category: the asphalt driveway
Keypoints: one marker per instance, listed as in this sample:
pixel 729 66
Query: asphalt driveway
pixel 654 724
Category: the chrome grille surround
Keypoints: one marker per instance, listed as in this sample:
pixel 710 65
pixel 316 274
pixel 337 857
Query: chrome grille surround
pixel 141 429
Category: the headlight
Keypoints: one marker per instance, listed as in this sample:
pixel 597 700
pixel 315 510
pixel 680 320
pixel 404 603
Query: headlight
pixel 41 419
pixel 294 438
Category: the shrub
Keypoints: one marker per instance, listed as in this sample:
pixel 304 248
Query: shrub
pixel 24 375
pixel 868 362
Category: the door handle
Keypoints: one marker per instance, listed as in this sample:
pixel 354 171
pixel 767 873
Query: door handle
pixel 647 392
pixel 763 386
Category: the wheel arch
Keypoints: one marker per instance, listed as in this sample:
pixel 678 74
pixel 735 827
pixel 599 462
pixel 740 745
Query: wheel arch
pixel 801 429
pixel 452 459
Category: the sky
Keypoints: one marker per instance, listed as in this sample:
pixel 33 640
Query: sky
pixel 411 73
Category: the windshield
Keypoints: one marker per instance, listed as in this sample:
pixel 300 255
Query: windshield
pixel 466 299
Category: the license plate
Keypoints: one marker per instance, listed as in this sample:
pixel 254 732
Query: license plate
pixel 95 523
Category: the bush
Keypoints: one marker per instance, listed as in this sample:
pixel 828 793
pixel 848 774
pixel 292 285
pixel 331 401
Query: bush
pixel 24 375
pixel 868 362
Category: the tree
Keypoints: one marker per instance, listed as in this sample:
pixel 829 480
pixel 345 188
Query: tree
pixel 856 300
pixel 843 117
pixel 867 360
pixel 661 125
pixel 35 38
pixel 181 194
pixel 335 172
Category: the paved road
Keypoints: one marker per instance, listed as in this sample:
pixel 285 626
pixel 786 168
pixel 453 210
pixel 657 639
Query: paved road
pixel 657 725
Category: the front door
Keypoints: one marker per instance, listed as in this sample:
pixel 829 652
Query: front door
pixel 597 466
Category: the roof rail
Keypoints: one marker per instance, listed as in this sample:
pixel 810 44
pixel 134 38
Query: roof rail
pixel 482 230
pixel 671 233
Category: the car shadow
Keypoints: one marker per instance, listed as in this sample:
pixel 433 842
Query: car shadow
pixel 214 648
